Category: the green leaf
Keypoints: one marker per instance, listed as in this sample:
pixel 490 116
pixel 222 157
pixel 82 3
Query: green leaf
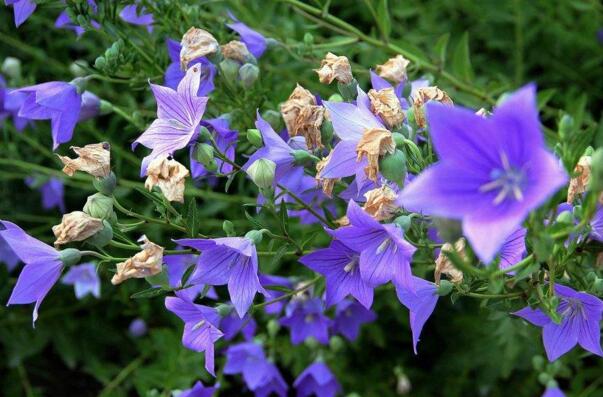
pixel 383 19
pixel 461 63
pixel 149 293
pixel 441 47
pixel 253 221
pixel 284 215
pixel 192 218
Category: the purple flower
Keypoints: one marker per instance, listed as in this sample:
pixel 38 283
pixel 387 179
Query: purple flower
pixel 176 266
pixel 138 328
pixel 43 266
pixel 198 390
pixel 267 280
pixel 553 392
pixel 384 254
pixel 200 327
pixel 137 15
pixel 305 319
pixel 580 317
pixel 226 140
pixel 273 383
pixel 232 324
pixel 10 105
pixel 420 304
pixel 52 190
pixel 254 41
pixel 179 113
pixel 65 22
pixel 7 256
pixel 513 248
pixel 492 171
pixel 317 379
pixel 340 266
pixel 22 9
pixel 84 279
pixel 58 101
pixel 349 317
pixel 174 75
pixel 228 260
pixel 596 225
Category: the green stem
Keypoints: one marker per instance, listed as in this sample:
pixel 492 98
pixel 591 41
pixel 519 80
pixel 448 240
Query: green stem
pixel 122 375
pixel 519 265
pixel 288 294
pixel 493 296
pixel 148 219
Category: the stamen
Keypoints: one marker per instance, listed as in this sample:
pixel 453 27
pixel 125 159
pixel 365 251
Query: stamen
pixel 351 266
pixel 199 325
pixel 508 181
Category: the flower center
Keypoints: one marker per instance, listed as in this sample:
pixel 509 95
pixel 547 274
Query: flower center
pixel 572 308
pixel 508 181
pixel 199 325
pixel 309 318
pixel 351 265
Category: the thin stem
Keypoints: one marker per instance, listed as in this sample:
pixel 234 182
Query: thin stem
pixel 288 294
pixel 519 265
pixel 493 296
pixel 148 219
pixel 122 375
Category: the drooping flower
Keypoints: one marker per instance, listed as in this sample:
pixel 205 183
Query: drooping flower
pixel 196 43
pixel 341 267
pixel 386 105
pixel 174 75
pixel 419 303
pixel 381 203
pixel 349 317
pixel 226 140
pixel 137 328
pixel 52 190
pixel 274 384
pixel 317 379
pixel 84 279
pixel 231 325
pixel 384 254
pixel 198 390
pixel 228 260
pixel 94 159
pixel 553 392
pixel 290 109
pixel 59 102
pixel 22 9
pixel 334 67
pixel 137 15
pixel 394 69
pixel 305 319
pixel 169 175
pixel 76 226
pixel 200 326
pixel 580 315
pixel 254 41
pixel 492 171
pixel 144 264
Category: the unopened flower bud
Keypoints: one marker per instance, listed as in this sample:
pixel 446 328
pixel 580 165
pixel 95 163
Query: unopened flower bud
pixel 386 105
pixel 99 206
pixel 254 137
pixel 449 230
pixel 204 134
pixel 95 159
pixel 348 91
pixel 237 51
pixel 70 256
pixel 262 172
pixel 228 228
pixel 248 74
pixel 273 118
pixel 538 362
pixel 335 98
pixel 394 69
pixel 308 39
pixel 144 264
pixel 105 185
pixel 229 69
pixel 76 226
pixel 77 69
pixel 424 95
pixel 169 175
pixel 203 153
pixel 102 237
pixel 403 385
pixel 445 287
pixel 12 67
pixel 196 43
pixel 334 67
pixel 336 343
pixel 404 222
pixel 255 236
pixel 273 327
pixel 224 309
pixel 398 139
pixel 326 132
pixel 301 155
pixel 565 217
pixel 566 126
pixel 393 167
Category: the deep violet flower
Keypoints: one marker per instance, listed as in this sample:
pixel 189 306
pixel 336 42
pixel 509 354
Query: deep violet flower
pixel 7 256
pixel 43 266
pixel 9 106
pixel 200 326
pixel 384 254
pixel 58 101
pixel 231 325
pixel 553 392
pixel 179 113
pixel 317 379
pixel 580 317
pixel 226 140
pixel 305 319
pixel 340 266
pixel 420 304
pixel 198 390
pixel 52 191
pixel 174 75
pixel 228 260
pixel 84 279
pixel 254 41
pixel 349 317
pixel 137 15
pixel 492 171
pixel 138 327
pixel 22 9
pixel 176 266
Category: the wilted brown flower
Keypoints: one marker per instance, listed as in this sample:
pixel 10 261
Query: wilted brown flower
pixel 327 184
pixel 169 175
pixel 144 264
pixel 375 142
pixel 95 159
pixel 76 226
pixel 236 50
pixel 299 99
pixel 334 67
pixel 443 265
pixel 381 203
pixel 196 43
pixel 394 69
pixel 385 104
pixel 424 95
pixel 579 182
pixel 307 124
pixel 343 221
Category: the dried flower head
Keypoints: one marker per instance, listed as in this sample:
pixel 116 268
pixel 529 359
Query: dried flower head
pixel 95 159
pixel 307 124
pixel 375 142
pixel 76 226
pixel 343 221
pixel 579 182
pixel 169 175
pixel 327 184
pixel 424 95
pixel 444 265
pixel 386 105
pixel 381 203
pixel 145 263
pixel 394 69
pixel 196 43
pixel 334 67
pixel 236 50
pixel 299 98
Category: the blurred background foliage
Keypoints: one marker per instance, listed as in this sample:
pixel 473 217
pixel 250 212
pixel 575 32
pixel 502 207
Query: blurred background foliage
pixel 475 50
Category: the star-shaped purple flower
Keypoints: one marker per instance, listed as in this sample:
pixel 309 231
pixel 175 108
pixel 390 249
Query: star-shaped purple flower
pixel 580 317
pixel 22 9
pixel 174 74
pixel 317 379
pixel 84 279
pixel 305 319
pixel 596 224
pixel 349 317
pixel 492 171
pixel 198 390
pixel 137 15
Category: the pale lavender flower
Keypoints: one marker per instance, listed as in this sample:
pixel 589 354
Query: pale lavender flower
pixel 22 9
pixel 137 15
pixel 513 249
pixel 176 266
pixel 174 74
pixel 226 140
pixel 84 279
pixel 7 256
pixel 10 105
pixel 317 380
pixel 305 319
pixel 138 327
pixel 254 41
pixel 349 317
pixel 53 192
pixel 596 225
pixel 198 390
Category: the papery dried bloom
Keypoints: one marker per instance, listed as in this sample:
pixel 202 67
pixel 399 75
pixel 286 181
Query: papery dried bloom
pixel 424 95
pixel 375 142
pixel 145 263
pixel 394 69
pixel 196 43
pixel 327 184
pixel 290 109
pixel 381 203
pixel 307 124
pixel 334 67
pixel 343 221
pixel 236 50
pixel 76 226
pixel 579 182
pixel 385 104
pixel 444 265
pixel 95 159
pixel 169 175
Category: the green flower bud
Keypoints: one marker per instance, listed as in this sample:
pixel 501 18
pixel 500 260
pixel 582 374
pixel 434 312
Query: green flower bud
pixel 255 236
pixel 229 69
pixel 404 222
pixel 348 91
pixel 80 83
pixel 326 132
pixel 538 362
pixel 102 237
pixel 596 173
pixel 70 256
pixel 228 228
pixel 100 63
pixel 203 153
pixel 255 137
pixel 248 74
pixel 301 155
pixel 336 343
pixel 566 126
pixel 335 98
pixel 598 286
pixel 212 166
pixel 106 185
pixel 544 378
pixel 77 70
pixel 308 39
pixel 99 206
pixel 204 134
pixel 273 327
pixel 565 217
pixel 311 343
pixel 224 309
pixel 12 67
pixel 262 172
pixel 449 230
pixel 398 139
pixel 393 167
pixel 274 118
pixel 445 287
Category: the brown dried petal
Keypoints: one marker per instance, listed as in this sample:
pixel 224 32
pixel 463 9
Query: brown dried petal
pixel 343 221
pixel 307 124
pixel 196 43
pixel 327 184
pixel 144 264
pixel 381 203
pixel 579 182
pixel 236 50
pixel 375 142
pixel 444 266
pixel 95 159
pixel 394 69
pixel 299 98
pixel 424 95
pixel 76 226
pixel 169 175
pixel 385 104
pixel 334 67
